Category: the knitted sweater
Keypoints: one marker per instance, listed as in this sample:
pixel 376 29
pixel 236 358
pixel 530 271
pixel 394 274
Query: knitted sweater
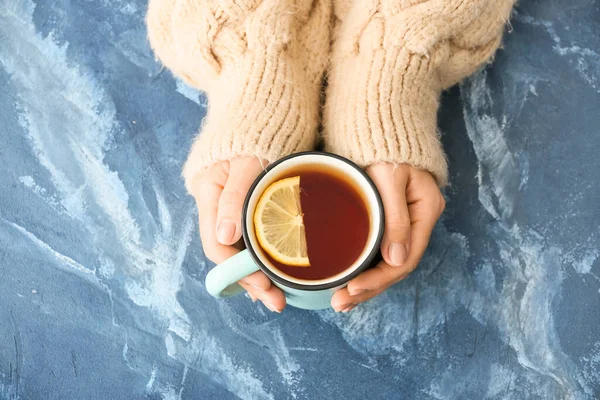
pixel 261 64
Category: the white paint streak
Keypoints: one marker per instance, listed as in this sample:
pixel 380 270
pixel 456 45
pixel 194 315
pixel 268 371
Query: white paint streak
pixel 150 383
pixel 183 378
pixel 591 364
pixel 496 162
pixel 164 216
pixel 169 393
pixel 41 192
pixel 501 379
pixel 28 182
pixel 8 390
pixel 124 352
pixel 303 349
pixel 74 266
pixel 519 305
pixel 586 61
pixel 129 9
pixel 70 129
pixel 204 354
pixel 286 364
pixel 584 264
pixel 190 93
pixel 90 191
pixel 365 366
pixel 527 323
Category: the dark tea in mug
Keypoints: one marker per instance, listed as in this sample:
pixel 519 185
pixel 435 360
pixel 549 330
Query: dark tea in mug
pixel 336 224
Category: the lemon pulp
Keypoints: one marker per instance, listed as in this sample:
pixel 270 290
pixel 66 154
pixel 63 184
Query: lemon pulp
pixel 279 224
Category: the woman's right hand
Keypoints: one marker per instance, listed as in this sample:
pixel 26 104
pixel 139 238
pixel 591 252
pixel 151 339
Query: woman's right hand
pixel 220 193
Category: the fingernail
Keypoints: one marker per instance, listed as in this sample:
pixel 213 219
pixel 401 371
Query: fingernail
pixel 251 297
pixel 258 288
pixel 271 307
pixel 356 292
pixel 348 309
pixel 397 254
pixel 344 307
pixel 225 232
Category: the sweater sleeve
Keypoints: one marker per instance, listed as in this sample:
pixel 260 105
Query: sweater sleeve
pixel 391 60
pixel 260 63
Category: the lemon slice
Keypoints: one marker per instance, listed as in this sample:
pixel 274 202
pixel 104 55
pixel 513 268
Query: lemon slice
pixel 279 224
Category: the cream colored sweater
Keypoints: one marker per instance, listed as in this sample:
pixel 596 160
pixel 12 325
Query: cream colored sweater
pixel 261 64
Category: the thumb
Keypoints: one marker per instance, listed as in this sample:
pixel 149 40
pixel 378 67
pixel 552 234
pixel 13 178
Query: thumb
pixel 391 183
pixel 242 173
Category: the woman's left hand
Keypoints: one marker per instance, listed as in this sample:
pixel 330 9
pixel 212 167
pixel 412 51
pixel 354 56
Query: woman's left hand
pixel 412 203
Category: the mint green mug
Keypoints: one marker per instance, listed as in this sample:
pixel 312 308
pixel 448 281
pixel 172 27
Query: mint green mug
pixel 221 281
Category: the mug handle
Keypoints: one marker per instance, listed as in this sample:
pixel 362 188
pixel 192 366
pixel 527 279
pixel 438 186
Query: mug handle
pixel 221 281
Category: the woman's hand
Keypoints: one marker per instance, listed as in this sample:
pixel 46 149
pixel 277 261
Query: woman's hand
pixel 413 203
pixel 220 193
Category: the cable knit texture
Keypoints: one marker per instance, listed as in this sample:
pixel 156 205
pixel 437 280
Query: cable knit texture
pixel 261 65
pixel 391 60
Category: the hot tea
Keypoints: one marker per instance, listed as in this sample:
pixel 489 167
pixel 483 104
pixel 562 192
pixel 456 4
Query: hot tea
pixel 335 221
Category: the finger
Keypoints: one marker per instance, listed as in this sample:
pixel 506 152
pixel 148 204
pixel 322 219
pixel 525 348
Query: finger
pixel 208 192
pixel 425 207
pixel 378 278
pixel 257 281
pixel 426 204
pixel 272 298
pixel 343 301
pixel 242 173
pixel 383 275
pixel 420 234
pixel 391 183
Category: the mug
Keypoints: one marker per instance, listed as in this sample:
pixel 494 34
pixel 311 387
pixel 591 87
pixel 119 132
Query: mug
pixel 221 281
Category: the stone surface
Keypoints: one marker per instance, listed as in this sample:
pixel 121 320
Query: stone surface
pixel 101 270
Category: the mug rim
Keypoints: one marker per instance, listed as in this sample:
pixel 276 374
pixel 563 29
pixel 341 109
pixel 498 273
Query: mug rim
pixel 324 286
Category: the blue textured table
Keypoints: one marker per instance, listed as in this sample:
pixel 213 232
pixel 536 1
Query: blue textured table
pixel 101 271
